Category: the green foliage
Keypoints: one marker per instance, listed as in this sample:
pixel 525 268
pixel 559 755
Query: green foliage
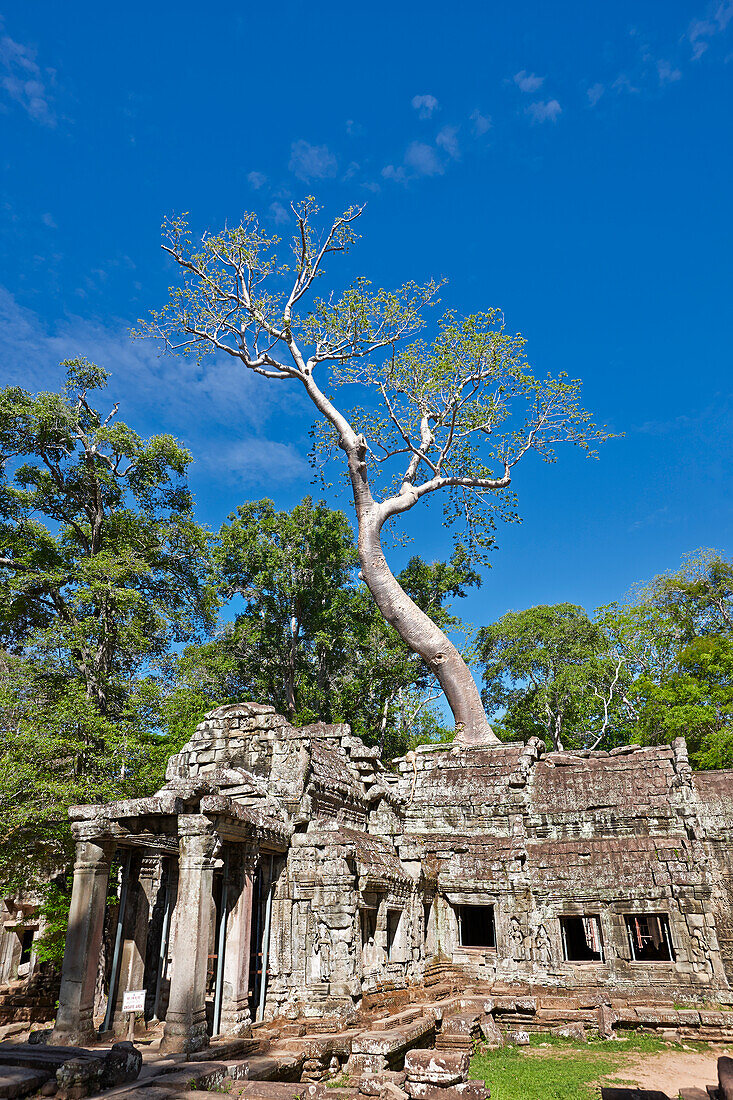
pixel 54 912
pixel 655 668
pixel 102 570
pixel 102 565
pixel 551 671
pixel 309 639
pixel 57 750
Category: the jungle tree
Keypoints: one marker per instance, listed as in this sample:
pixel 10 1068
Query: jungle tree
pixel 452 415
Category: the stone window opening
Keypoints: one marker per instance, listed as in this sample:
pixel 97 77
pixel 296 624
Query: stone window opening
pixel 26 946
pixel 649 938
pixel 581 939
pixel 476 926
pixel 394 922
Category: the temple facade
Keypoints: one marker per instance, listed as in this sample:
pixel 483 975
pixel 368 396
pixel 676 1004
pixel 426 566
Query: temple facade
pixel 284 872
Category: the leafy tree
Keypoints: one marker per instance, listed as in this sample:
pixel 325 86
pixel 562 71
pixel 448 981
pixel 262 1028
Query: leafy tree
pixel 452 416
pixel 56 750
pixel 102 569
pixel 102 565
pixel 309 639
pixel 676 637
pixel 553 672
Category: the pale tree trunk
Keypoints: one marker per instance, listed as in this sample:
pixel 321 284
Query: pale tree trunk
pixel 420 633
pixel 416 629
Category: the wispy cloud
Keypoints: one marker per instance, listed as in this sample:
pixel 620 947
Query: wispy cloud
pixel 447 139
pixel 667 73
pixel 312 162
pixel 48 220
pixel 256 180
pixel 544 110
pixel 481 122
pixel 195 397
pixel 528 82
pixel 594 93
pixel 701 31
pixel 255 461
pixel 24 82
pixel 425 105
pixel 423 159
pixel 278 213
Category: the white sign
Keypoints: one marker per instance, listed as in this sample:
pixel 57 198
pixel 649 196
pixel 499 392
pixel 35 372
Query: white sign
pixel 133 1000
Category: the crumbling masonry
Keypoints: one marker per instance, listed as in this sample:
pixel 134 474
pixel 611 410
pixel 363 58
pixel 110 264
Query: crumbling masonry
pixel 284 872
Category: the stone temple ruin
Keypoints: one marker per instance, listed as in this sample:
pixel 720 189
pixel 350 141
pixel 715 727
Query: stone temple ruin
pixel 285 874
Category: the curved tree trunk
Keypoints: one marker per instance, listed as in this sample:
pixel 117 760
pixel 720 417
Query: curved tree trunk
pixel 420 633
pixel 416 629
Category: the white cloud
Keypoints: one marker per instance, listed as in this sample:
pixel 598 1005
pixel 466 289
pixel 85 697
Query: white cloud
pixel 23 80
pixel 702 30
pixel 396 174
pixel 623 83
pixel 447 139
pixel 256 180
pixel 544 111
pixel 278 213
pixel 667 73
pixel 528 82
pixel 255 460
pixel 48 220
pixel 194 396
pixel 594 93
pixel 312 162
pixel 481 123
pixel 423 159
pixel 425 105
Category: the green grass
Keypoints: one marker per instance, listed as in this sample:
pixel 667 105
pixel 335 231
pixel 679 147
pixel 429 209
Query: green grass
pixel 559 1069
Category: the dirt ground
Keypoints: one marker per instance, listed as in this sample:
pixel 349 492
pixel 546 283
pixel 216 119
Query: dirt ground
pixel 670 1071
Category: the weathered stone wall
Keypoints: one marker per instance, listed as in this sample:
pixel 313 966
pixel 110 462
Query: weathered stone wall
pixel 540 837
pixel 347 880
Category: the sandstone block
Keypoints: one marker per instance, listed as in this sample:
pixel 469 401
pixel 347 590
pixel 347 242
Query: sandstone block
pixel 371 1085
pixel 432 1067
pixel 574 1031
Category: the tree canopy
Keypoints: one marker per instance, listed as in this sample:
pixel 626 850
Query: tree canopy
pixel 103 569
pixel 647 670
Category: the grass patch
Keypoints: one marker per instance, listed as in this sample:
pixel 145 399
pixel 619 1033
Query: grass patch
pixel 552 1068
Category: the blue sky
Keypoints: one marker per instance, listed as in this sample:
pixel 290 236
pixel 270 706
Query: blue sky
pixel 568 162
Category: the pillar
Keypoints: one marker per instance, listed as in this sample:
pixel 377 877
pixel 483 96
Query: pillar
pixel 235 1013
pixel 141 886
pixel 185 1022
pixel 74 1023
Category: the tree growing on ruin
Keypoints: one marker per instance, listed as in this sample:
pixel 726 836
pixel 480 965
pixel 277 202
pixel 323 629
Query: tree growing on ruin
pixel 447 416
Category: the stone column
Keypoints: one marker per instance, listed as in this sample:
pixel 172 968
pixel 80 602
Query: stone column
pixel 235 1013
pixel 135 931
pixel 74 1024
pixel 185 1022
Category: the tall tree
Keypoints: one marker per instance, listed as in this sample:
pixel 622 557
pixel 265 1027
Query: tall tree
pixel 675 635
pixel 102 570
pixel 102 565
pixel 452 417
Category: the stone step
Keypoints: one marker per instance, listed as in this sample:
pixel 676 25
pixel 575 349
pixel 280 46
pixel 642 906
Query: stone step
pixel 17 1081
pixel 224 1049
